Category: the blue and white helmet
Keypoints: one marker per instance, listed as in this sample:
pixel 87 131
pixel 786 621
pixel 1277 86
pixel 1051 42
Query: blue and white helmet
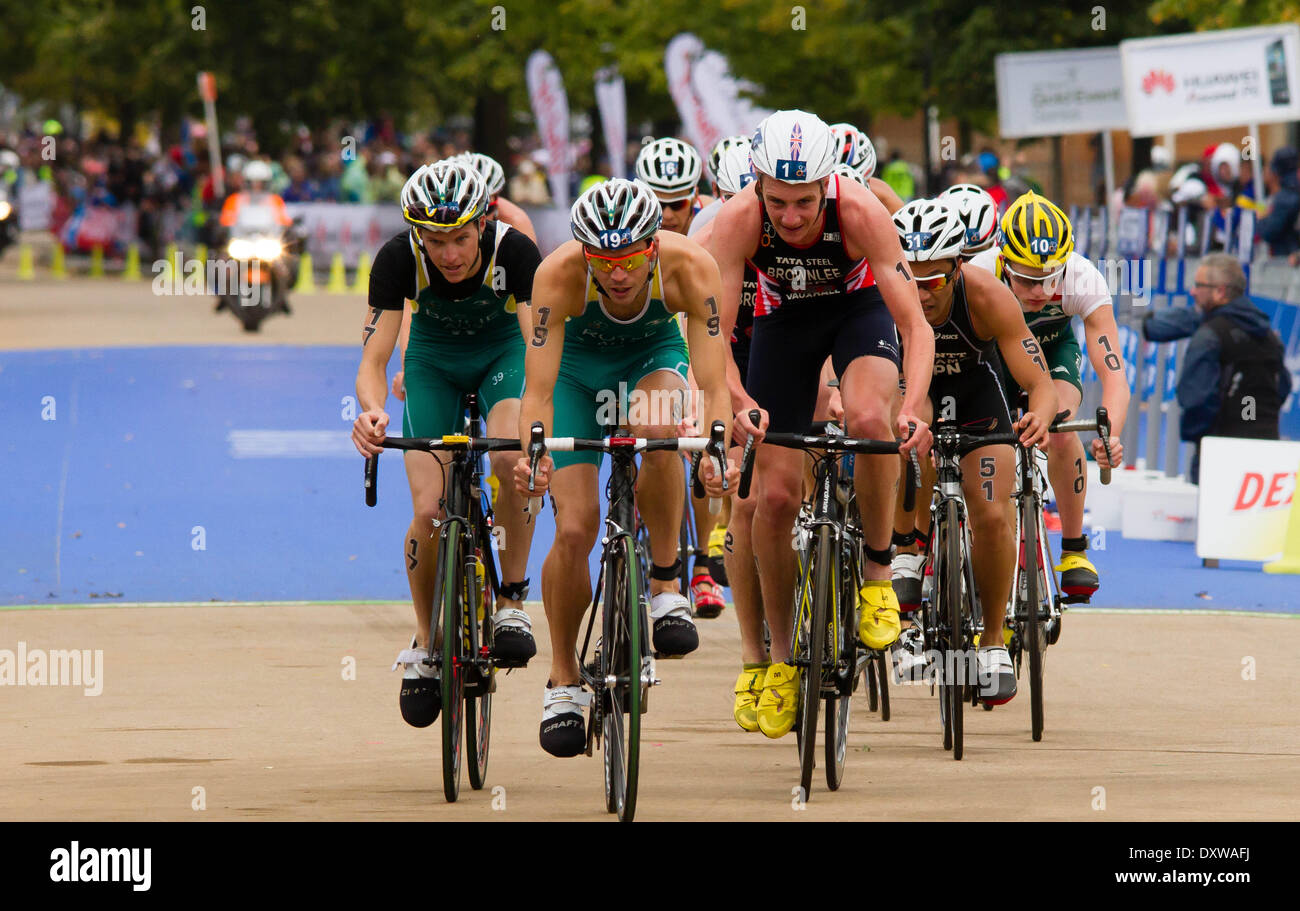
pixel 670 167
pixel 793 147
pixel 853 148
pixel 615 213
pixel 930 229
pixel 734 171
pixel 723 145
pixel 978 212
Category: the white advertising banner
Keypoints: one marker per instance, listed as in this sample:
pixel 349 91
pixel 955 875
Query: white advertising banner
pixel 703 124
pixel 1246 496
pixel 612 101
pixel 1054 93
pixel 551 111
pixel 346 228
pixel 1208 80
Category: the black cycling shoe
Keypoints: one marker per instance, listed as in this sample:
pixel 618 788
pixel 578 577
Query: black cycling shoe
pixel 421 700
pixel 564 728
pixel 674 631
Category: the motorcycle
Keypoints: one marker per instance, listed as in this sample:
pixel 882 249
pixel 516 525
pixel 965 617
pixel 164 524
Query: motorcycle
pixel 266 264
pixel 8 218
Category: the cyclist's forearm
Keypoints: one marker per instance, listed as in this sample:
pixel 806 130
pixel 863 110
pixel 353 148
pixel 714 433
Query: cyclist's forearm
pixel 918 365
pixel 1043 400
pixel 1115 398
pixel 372 387
pixel 535 408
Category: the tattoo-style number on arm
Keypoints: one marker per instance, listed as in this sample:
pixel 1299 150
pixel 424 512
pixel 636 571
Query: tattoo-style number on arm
pixel 1035 353
pixel 540 330
pixel 371 325
pixel 1112 359
pixel 715 321
pixel 902 270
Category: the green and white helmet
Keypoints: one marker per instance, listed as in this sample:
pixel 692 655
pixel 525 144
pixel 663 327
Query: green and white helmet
pixel 615 213
pixel 444 195
pixel 487 168
pixel 669 166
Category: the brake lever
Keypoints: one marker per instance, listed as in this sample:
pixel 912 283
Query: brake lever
pixel 747 457
pixel 1103 428
pixel 536 449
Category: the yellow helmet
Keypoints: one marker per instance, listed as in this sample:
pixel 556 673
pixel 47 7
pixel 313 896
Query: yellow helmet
pixel 1036 233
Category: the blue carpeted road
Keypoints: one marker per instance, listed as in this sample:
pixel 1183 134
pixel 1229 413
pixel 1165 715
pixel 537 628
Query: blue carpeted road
pixel 118 463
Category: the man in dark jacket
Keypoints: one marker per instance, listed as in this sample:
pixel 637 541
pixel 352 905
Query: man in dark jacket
pixel 1278 227
pixel 1233 381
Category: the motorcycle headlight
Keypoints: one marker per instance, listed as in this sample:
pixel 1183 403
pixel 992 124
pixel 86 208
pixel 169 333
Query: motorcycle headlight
pixel 5 210
pixel 268 249
pixel 241 249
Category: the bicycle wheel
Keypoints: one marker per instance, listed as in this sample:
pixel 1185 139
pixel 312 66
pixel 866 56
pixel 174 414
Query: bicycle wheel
pixel 810 640
pixel 948 579
pixel 621 656
pixel 842 644
pixel 1035 642
pixel 881 665
pixel 453 655
pixel 685 547
pixel 873 692
pixel 478 705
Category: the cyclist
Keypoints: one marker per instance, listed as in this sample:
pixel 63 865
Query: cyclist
pixel 469 282
pixel 979 214
pixel 740 167
pixel 498 206
pixel 855 150
pixel 975 319
pixel 1054 285
pixel 672 169
pixel 604 311
pixel 832 280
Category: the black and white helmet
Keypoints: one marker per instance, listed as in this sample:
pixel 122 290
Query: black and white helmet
pixel 444 195
pixel 794 147
pixel 978 212
pixel 669 166
pixel 851 173
pixel 615 213
pixel 488 169
pixel 734 171
pixel 723 145
pixel 930 229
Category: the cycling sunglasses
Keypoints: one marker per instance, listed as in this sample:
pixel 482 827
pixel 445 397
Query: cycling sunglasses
pixel 444 217
pixel 936 282
pixel 628 261
pixel 1049 281
pixel 677 204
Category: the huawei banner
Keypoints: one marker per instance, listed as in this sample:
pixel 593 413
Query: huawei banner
pixel 1053 93
pixel 1208 80
pixel 612 102
pixel 551 111
pixel 1246 495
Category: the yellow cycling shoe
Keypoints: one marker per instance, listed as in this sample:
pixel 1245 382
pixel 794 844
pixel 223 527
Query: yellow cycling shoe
pixel 1007 633
pixel 878 625
pixel 778 707
pixel 717 563
pixel 1078 575
pixel 749 687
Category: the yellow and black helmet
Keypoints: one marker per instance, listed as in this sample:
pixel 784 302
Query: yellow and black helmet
pixel 1036 233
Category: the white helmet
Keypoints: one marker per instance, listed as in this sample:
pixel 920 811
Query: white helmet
pixel 793 147
pixel 669 166
pixel 723 145
pixel 853 148
pixel 444 195
pixel 734 171
pixel 1225 153
pixel 257 170
pixel 851 173
pixel 615 213
pixel 487 168
pixel 978 212
pixel 930 229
